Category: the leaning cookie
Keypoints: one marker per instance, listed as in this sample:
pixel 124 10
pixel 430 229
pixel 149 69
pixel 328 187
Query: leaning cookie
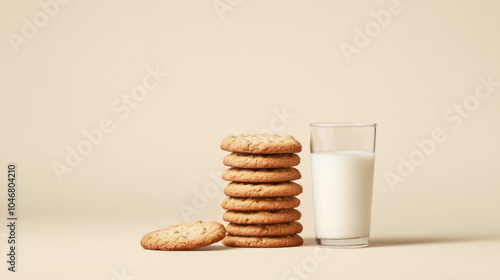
pixel 261 175
pixel 184 236
pixel 263 242
pixel 262 190
pixel 262 217
pixel 242 160
pixel 264 230
pixel 261 144
pixel 260 203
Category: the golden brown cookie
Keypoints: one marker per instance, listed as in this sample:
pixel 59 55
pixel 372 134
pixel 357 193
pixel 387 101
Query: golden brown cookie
pixel 261 144
pixel 262 190
pixel 241 160
pixel 262 217
pixel 184 236
pixel 263 242
pixel 264 230
pixel 260 203
pixel 261 175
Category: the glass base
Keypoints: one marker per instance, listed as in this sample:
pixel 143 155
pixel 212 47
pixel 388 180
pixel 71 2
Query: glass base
pixel 358 242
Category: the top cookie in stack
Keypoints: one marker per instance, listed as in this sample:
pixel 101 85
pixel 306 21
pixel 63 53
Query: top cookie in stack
pixel 261 197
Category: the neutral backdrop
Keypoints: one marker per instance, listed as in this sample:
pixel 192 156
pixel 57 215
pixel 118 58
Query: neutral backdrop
pixel 247 67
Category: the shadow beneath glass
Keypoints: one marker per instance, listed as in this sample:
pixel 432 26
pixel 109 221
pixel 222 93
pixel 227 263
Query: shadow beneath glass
pixel 398 241
pixel 388 242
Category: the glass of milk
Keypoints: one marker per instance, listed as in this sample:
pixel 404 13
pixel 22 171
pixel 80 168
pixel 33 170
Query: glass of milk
pixel 342 163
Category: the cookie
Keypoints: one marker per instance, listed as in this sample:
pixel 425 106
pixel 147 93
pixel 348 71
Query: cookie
pixel 261 144
pixel 184 236
pixel 262 190
pixel 261 217
pixel 260 203
pixel 261 161
pixel 261 175
pixel 263 242
pixel 264 230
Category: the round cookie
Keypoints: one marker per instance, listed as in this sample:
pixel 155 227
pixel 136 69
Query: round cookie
pixel 264 230
pixel 261 144
pixel 261 175
pixel 261 217
pixel 263 242
pixel 241 160
pixel 262 190
pixel 184 236
pixel 260 203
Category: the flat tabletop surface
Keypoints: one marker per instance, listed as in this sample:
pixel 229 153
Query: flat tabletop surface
pixel 100 249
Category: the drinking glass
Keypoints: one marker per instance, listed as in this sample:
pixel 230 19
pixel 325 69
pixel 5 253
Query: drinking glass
pixel 342 166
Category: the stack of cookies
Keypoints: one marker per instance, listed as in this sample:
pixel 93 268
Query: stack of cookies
pixel 261 195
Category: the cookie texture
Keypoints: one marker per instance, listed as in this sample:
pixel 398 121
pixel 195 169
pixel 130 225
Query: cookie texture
pixel 263 242
pixel 260 203
pixel 261 144
pixel 262 190
pixel 241 160
pixel 264 230
pixel 261 217
pixel 261 175
pixel 184 236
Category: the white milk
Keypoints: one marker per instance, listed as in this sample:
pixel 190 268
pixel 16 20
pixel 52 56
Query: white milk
pixel 342 190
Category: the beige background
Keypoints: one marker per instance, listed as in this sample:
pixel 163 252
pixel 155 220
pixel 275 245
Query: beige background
pixel 237 73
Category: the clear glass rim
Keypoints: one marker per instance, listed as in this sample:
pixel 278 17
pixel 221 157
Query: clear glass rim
pixel 341 124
